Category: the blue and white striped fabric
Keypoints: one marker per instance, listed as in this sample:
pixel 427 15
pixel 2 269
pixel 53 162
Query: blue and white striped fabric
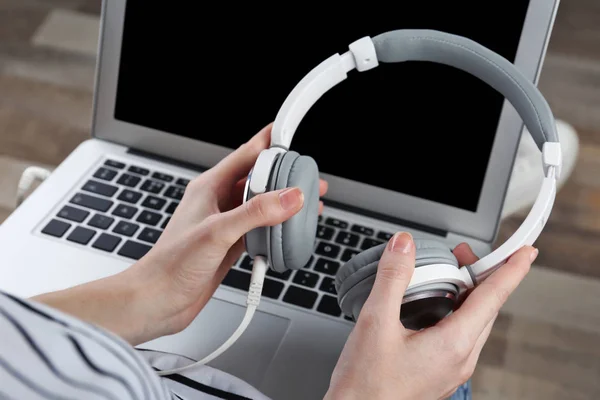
pixel 46 354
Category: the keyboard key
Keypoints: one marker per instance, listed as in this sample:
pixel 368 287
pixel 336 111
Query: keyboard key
pixel 306 278
pixel 362 230
pixel 164 224
pixel 172 207
pixel 309 263
pixel 174 192
pixel 100 188
pixel 129 196
pixel 325 232
pixel 93 202
pixel 101 221
pixel 237 279
pixel 106 242
pixel 247 263
pixel 328 285
pixel 284 276
pixel 56 228
pixel 348 254
pixel 124 211
pixel 162 177
pixel 73 214
pixel 156 203
pixel 385 236
pixel 152 186
pixel 182 182
pixel 272 289
pixel 133 250
pixel 338 223
pixel 149 218
pixel 368 243
pixel 149 235
pixel 347 239
pixel 129 180
pixel 114 164
pixel 329 305
pixel 300 297
pixel 106 174
pixel 81 235
pixel 138 170
pixel 126 228
pixel 328 267
pixel 328 249
pixel 347 318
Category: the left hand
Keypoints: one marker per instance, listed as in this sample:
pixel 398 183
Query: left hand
pixel 204 237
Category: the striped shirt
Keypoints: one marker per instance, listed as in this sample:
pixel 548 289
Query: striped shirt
pixel 47 354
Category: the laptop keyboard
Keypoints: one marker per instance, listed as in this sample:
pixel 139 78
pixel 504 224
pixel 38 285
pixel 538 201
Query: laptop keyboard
pixel 122 209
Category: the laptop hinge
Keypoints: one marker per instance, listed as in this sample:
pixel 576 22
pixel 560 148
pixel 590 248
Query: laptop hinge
pixel 386 218
pixel 166 160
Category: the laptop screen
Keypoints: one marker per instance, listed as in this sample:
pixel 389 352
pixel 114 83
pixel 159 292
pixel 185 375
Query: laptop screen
pixel 219 73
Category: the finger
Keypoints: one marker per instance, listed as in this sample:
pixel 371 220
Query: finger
pixel 485 301
pixel 394 272
pixel 266 209
pixel 321 206
pixel 464 254
pixel 323 187
pixel 238 164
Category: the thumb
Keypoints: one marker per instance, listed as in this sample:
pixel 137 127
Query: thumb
pixel 265 209
pixel 394 272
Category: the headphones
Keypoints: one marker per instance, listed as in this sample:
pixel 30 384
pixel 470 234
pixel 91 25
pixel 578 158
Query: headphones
pixel 438 283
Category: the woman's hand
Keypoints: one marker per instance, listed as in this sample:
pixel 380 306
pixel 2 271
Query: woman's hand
pixel 165 290
pixel 204 237
pixel 383 360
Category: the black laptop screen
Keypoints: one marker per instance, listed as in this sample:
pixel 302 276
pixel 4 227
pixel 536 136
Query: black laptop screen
pixel 219 72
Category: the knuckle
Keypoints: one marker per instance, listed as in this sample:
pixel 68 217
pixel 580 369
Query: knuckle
pixel 393 271
pixel 466 372
pixel 255 208
pixel 214 232
pixel 500 294
pixel 456 346
pixel 369 320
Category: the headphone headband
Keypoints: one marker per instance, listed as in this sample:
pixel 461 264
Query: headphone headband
pixel 459 52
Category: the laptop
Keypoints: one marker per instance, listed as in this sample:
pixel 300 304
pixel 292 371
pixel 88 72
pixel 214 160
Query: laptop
pixel 412 146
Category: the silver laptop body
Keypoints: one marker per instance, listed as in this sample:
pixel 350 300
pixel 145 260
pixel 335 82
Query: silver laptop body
pixel 125 182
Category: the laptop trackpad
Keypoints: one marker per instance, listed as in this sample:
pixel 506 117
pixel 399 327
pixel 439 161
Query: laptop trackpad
pixel 247 359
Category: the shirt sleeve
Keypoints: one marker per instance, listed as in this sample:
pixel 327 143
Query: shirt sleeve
pixel 47 354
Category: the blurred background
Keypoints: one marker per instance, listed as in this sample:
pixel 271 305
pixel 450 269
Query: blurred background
pixel 545 342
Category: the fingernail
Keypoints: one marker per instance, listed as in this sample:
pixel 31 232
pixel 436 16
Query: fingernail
pixel 291 198
pixel 402 242
pixel 533 255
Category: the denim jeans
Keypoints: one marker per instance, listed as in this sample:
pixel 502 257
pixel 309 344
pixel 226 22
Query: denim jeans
pixel 463 392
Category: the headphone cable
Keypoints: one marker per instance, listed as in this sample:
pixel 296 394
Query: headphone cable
pixel 259 270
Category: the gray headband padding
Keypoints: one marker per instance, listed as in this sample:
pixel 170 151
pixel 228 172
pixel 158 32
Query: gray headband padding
pixel 469 56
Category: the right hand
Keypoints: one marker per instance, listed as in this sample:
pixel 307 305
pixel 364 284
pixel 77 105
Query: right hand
pixel 383 360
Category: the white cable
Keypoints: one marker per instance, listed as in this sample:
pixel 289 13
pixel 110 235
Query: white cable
pixel 259 270
pixel 28 177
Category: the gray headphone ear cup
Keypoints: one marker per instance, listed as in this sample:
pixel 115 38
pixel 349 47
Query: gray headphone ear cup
pixel 355 279
pixel 292 242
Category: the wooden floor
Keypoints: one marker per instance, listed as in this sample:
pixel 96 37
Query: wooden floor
pixel 545 343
